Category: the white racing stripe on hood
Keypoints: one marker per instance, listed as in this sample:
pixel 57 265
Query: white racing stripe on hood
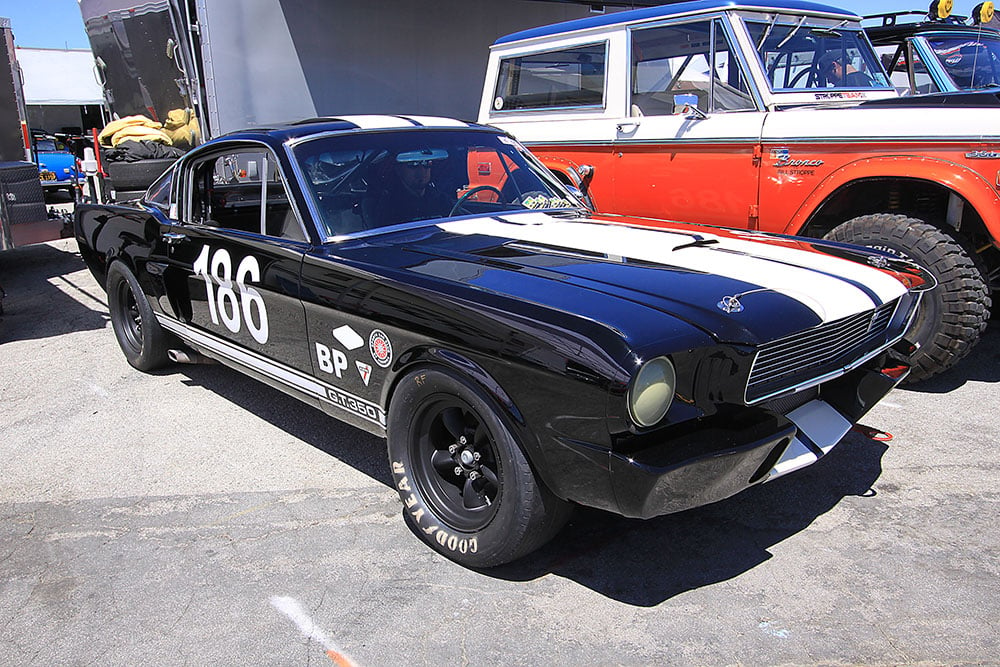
pixel 795 273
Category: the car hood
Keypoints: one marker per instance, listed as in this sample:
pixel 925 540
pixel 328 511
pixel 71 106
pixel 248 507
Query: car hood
pixel 737 286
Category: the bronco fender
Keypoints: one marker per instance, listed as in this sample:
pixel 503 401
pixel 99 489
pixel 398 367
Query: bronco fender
pixel 961 180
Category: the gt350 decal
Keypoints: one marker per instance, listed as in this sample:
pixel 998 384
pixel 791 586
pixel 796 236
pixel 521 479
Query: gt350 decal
pixel 361 408
pixel 223 304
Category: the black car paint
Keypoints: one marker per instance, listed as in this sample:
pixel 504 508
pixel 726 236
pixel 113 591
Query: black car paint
pixel 556 366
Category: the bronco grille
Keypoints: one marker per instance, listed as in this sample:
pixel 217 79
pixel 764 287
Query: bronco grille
pixel 801 357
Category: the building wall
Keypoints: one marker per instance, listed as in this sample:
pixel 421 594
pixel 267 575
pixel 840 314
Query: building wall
pixel 324 57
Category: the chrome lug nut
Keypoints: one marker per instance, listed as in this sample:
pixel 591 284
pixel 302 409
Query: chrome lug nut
pixel 452 448
pixel 473 475
pixel 458 470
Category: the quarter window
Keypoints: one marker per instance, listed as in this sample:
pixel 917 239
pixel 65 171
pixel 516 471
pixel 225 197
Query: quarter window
pixel 554 79
pixel 691 63
pixel 243 190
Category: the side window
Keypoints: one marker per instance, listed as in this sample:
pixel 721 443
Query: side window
pixel 243 190
pixel 554 79
pixel 898 65
pixel 158 194
pixel 675 65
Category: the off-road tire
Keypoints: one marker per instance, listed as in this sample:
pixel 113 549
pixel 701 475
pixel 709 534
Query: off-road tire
pixel 496 516
pixel 952 316
pixel 141 338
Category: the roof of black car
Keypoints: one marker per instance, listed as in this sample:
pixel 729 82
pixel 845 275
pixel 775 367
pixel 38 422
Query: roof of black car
pixel 352 123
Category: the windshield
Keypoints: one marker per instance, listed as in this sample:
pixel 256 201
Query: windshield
pixel 49 146
pixel 972 63
pixel 799 57
pixel 370 180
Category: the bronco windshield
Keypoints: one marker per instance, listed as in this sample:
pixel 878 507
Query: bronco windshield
pixel 798 57
pixel 971 63
pixel 370 180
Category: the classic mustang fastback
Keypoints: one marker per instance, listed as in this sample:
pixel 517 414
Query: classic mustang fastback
pixel 428 281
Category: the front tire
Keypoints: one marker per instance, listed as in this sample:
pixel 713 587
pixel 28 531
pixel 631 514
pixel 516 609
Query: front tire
pixel 142 340
pixel 952 316
pixel 466 487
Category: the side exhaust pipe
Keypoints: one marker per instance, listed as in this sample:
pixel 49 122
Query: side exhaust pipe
pixel 188 357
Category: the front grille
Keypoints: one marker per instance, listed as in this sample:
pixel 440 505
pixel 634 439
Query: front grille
pixel 796 359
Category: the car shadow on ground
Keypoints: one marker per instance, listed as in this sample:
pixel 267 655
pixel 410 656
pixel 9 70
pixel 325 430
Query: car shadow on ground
pixel 636 562
pixel 43 298
pixel 362 451
pixel 644 563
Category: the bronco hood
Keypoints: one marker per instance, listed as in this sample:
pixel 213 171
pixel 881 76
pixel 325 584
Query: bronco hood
pixel 740 287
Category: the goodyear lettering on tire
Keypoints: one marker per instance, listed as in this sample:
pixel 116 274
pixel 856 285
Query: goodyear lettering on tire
pixel 424 520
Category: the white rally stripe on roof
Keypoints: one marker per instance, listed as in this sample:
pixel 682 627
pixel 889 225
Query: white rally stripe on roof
pixel 377 122
pixel 437 121
pixel 830 297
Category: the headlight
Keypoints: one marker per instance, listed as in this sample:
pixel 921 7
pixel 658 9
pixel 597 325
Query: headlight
pixel 652 391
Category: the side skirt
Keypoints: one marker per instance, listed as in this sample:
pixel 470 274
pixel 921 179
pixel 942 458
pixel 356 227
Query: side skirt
pixel 352 409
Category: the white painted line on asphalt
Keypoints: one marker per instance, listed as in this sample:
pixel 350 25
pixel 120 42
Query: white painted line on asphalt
pixel 291 608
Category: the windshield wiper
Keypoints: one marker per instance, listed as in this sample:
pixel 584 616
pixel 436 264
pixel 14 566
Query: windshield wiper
pixel 699 242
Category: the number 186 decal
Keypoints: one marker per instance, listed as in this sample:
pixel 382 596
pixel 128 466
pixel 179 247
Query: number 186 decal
pixel 223 303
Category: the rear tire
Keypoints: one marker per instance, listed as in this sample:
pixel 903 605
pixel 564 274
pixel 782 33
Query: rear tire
pixel 140 336
pixel 952 316
pixel 493 509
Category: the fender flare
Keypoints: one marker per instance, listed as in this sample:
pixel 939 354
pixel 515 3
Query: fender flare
pixel 961 180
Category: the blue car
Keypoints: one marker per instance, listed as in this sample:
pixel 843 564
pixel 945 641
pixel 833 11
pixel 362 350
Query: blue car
pixel 57 166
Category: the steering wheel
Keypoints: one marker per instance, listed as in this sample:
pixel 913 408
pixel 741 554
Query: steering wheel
pixel 478 188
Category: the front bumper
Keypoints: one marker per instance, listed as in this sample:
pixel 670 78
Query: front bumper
pixel 727 455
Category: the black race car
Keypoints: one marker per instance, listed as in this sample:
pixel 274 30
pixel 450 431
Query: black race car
pixel 428 281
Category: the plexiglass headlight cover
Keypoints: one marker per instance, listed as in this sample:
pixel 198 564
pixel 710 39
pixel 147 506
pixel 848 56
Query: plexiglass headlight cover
pixel 652 392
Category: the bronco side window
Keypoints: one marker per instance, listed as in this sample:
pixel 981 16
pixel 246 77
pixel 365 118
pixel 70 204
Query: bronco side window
pixel 690 63
pixel 572 77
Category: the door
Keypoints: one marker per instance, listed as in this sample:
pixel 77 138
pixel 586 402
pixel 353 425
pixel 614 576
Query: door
pixel 232 268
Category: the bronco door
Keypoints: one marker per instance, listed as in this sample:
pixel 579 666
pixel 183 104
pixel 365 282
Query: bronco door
pixel 689 150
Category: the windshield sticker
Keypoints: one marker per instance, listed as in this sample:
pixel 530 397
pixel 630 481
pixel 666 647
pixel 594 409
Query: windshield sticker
pixel 841 96
pixel 541 201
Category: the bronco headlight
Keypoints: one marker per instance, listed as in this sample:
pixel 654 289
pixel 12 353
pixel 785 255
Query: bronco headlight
pixel 652 391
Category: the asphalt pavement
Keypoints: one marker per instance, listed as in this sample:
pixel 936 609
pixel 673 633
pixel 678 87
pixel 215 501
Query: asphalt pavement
pixel 194 516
